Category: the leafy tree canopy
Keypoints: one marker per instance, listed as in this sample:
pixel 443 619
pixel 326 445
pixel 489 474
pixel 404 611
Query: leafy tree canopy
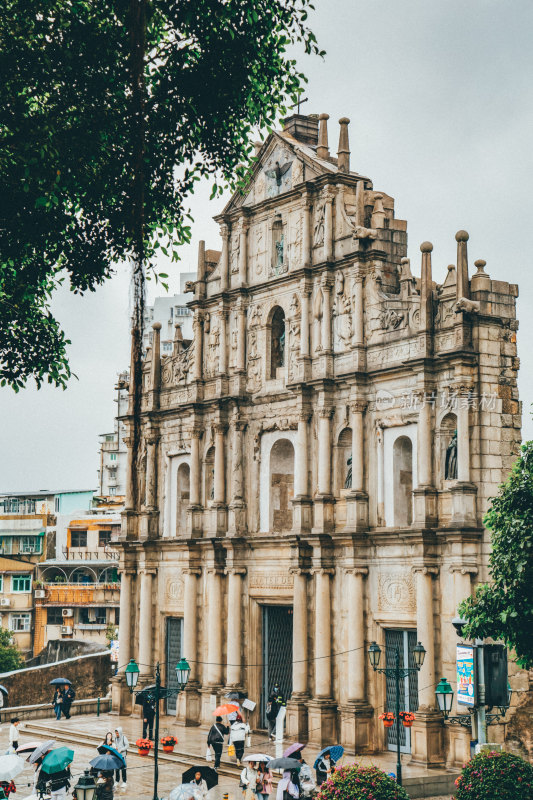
pixel 503 609
pixel 10 655
pixel 96 93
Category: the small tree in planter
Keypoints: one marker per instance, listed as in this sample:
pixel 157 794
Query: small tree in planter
pixel 493 775
pixel 361 783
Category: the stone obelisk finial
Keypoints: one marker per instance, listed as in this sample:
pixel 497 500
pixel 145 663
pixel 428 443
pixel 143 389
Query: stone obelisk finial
pixel 461 238
pixel 343 153
pixel 322 150
pixel 426 289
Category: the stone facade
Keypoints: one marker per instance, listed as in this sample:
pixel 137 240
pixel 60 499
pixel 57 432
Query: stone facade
pixel 300 453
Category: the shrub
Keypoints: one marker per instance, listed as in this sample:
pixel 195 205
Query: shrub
pixel 495 775
pixel 361 783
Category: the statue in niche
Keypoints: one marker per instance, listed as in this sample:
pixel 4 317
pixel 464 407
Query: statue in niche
pixel 294 335
pixel 348 481
pixel 279 253
pixel 450 465
pixel 234 253
pixel 318 237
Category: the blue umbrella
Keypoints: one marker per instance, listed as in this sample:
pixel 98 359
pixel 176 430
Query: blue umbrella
pixel 107 762
pixel 106 748
pixel 335 752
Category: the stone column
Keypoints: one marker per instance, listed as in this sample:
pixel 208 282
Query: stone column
pixel 358 479
pixel 306 234
pixel 425 494
pixel 124 630
pixel 194 496
pixel 323 634
pixel 219 494
pixel 198 334
pixel 224 257
pixel 223 343
pixel 326 316
pixel 302 464
pixel 190 620
pixel 324 451
pixel 328 227
pixel 151 473
pixel 299 633
pixel 425 631
pixel 146 624
pixel 234 627
pixel 358 311
pixel 214 628
pixel 237 516
pixel 356 635
pixel 304 325
pixel 241 340
pixel 243 253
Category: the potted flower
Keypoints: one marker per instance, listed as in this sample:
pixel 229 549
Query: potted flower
pixel 143 746
pixel 169 742
pixel 407 718
pixel 388 719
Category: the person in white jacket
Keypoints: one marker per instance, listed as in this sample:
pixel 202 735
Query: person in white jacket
pixel 237 737
pixel 121 744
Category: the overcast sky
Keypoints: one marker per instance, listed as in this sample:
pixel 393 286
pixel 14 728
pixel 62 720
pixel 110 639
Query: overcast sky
pixel 440 97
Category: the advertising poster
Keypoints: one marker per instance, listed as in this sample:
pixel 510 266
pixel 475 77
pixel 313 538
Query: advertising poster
pixel 466 677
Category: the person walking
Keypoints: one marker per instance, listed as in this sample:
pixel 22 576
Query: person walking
pixel 265 787
pixel 238 733
pixel 121 745
pixel 105 786
pixel 323 769
pixel 307 781
pixel 68 698
pixel 215 739
pixel 57 702
pixel 148 718
pixel 276 701
pixel 14 735
pixel 58 782
pixel 251 782
pixel 200 783
pixel 287 789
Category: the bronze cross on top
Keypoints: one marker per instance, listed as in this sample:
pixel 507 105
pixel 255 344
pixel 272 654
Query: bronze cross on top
pixel 300 102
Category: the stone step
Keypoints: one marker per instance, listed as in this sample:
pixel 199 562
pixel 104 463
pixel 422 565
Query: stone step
pixel 50 729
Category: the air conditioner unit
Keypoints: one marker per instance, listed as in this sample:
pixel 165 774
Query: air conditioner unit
pixel 5 601
pixel 66 630
pixel 67 612
pixel 40 594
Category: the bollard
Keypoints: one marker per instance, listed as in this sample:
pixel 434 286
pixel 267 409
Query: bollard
pixel 225 796
pixel 98 707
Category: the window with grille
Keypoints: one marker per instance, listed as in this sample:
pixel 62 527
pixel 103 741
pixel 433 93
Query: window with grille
pixel 19 623
pixel 78 538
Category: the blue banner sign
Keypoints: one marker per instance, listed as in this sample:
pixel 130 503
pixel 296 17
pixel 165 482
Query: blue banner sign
pixel 466 675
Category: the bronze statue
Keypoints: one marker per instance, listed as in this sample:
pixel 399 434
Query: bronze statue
pixel 450 467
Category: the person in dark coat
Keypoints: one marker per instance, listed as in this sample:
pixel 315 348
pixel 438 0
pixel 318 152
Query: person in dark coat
pixel 148 718
pixel 105 786
pixel 57 702
pixel 215 738
pixel 68 697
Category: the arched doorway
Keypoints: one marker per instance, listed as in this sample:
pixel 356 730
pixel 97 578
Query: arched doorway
pixel 281 485
pixel 277 341
pixel 402 461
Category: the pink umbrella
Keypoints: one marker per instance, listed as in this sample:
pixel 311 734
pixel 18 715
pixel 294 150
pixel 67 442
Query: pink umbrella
pixel 293 748
pixel 29 747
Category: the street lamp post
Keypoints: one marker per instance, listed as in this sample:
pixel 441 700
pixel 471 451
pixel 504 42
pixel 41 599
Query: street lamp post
pixel 398 673
pixel 132 676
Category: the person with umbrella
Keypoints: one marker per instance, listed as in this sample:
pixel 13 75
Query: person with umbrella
pixel 148 708
pixel 57 701
pixel 323 768
pixel 215 739
pixel 68 698
pixel 105 785
pixel 55 773
pixel 251 781
pixel 121 744
pixel 10 766
pixel 238 733
pixel 288 788
pixel 200 783
pixel 276 701
pixel 265 787
pixel 307 782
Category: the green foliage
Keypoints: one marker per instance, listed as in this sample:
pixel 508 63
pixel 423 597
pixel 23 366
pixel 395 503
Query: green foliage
pixel 73 141
pixel 10 655
pixel 495 775
pixel 111 633
pixel 361 783
pixel 503 609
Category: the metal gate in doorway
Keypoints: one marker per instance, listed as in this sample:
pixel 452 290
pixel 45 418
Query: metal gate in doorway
pixel 277 653
pixel 174 654
pixel 404 641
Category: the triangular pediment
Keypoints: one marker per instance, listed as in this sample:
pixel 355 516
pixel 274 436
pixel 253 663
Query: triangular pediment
pixel 282 164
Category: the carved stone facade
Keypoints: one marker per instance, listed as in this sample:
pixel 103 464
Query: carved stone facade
pixel 296 453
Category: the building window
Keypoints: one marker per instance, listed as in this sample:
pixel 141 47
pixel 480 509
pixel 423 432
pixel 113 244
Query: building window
pixel 112 456
pixel 6 546
pixel 30 544
pixel 78 538
pixel 56 505
pixel 54 616
pixel 19 623
pixel 1 583
pixel 112 491
pixel 104 537
pixel 182 311
pixel 277 341
pixel 21 583
pixel 403 481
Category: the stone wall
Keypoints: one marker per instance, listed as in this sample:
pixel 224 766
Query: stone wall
pixel 90 676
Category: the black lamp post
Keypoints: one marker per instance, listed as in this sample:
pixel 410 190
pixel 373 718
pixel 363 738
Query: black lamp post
pixel 86 787
pixel 157 694
pixel 398 673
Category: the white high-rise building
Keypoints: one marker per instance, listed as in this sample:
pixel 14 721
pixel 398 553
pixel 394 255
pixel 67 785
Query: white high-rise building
pixel 170 310
pixel 113 451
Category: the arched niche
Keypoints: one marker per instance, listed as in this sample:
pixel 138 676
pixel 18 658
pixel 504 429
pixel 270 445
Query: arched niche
pixel 277 340
pixel 281 484
pixel 447 448
pixel 402 460
pixel 209 476
pixel 343 465
pixel 183 488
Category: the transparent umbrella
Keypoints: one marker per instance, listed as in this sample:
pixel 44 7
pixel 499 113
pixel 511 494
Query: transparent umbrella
pixel 10 767
pixel 186 791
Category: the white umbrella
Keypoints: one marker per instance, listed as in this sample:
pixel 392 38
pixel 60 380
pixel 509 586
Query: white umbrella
pixel 41 750
pixel 258 757
pixel 186 791
pixel 10 766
